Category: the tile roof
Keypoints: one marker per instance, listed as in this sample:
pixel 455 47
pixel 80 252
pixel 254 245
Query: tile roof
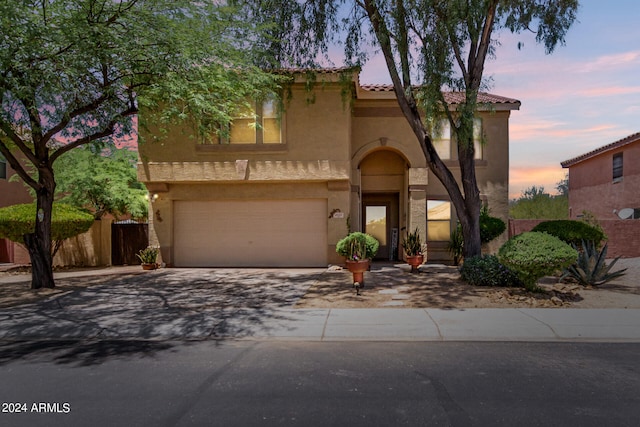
pixel 617 144
pixel 324 70
pixel 451 97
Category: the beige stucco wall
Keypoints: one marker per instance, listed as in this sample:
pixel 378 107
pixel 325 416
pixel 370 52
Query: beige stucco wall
pixel 89 249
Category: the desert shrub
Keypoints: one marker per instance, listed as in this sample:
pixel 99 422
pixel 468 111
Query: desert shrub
pixel 456 245
pixel 488 271
pixel 357 245
pixel 490 226
pixel 533 255
pixel 571 232
pixel 591 269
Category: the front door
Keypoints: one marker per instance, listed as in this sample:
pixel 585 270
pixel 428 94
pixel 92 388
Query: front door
pixel 380 218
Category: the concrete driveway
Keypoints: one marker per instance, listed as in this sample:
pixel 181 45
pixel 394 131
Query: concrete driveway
pixel 162 304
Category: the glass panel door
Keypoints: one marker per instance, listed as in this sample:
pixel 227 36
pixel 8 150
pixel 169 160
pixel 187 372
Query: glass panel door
pixel 376 224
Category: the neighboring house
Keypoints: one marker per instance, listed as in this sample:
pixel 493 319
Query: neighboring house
pixel 606 181
pixel 11 193
pixel 283 191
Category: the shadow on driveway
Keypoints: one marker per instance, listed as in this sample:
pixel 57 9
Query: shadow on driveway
pixel 123 315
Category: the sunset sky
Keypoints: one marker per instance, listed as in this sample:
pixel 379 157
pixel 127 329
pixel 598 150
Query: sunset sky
pixel 584 95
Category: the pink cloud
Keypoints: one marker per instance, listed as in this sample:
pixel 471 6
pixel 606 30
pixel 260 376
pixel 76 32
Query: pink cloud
pixel 609 91
pixel 521 178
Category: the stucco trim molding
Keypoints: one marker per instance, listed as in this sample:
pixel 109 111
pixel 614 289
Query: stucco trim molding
pixel 265 170
pixel 382 142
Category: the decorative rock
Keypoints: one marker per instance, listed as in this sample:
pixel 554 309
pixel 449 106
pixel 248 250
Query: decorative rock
pixel 388 291
pixel 556 300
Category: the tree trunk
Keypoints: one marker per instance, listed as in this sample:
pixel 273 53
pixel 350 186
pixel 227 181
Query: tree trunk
pixel 470 216
pixel 39 242
pixel 41 263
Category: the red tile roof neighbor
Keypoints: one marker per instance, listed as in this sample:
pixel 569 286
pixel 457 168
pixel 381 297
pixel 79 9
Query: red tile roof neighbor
pixel 614 145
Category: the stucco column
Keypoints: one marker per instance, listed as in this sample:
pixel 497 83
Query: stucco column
pixel 338 201
pixel 417 209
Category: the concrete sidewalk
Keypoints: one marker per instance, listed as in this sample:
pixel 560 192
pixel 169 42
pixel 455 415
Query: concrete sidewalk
pixel 452 325
pixel 611 325
pixel 201 304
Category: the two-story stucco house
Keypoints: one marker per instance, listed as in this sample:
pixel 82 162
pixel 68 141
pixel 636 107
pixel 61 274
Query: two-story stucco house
pixel 283 193
pixel 606 181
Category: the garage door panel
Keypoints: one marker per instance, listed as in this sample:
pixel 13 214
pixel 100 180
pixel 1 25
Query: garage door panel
pixel 274 233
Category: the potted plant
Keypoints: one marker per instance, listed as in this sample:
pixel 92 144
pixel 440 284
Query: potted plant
pixel 148 257
pixel 358 250
pixel 414 249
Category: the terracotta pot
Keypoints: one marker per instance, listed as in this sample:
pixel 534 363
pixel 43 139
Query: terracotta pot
pixel 415 261
pixel 358 268
pixel 149 266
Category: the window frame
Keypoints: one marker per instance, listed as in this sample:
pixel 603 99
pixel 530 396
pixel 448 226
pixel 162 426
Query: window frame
pixel 617 166
pixel 256 119
pixel 439 221
pixel 3 167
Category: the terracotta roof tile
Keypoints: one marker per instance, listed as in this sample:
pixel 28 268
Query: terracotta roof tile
pixel 451 97
pixel 617 144
pixel 325 70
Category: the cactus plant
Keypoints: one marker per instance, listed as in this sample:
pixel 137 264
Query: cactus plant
pixel 591 269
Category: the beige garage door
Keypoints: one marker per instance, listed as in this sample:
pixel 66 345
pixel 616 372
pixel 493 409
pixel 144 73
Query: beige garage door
pixel 273 233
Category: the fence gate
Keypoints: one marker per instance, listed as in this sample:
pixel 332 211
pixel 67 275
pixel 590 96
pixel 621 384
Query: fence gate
pixel 127 238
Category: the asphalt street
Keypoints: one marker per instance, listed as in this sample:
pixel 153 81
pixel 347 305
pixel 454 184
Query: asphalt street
pixel 269 383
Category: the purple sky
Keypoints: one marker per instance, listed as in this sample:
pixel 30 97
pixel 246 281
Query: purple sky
pixel 583 96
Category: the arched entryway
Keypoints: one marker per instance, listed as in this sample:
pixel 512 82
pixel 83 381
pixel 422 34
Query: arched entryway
pixel 383 176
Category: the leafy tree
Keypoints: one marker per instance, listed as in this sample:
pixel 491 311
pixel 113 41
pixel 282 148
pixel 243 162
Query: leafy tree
pixel 105 182
pixel 535 203
pixel 563 186
pixel 75 72
pixel 102 182
pixel 429 46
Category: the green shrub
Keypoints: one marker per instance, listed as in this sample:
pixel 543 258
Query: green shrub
pixel 571 232
pixel 67 221
pixel 490 226
pixel 591 269
pixel 487 271
pixel 456 245
pixel 534 255
pixel 358 246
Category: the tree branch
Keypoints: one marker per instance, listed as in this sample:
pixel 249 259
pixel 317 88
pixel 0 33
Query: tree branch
pixel 107 130
pixel 13 161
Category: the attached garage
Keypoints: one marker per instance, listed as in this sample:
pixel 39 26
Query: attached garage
pixel 255 233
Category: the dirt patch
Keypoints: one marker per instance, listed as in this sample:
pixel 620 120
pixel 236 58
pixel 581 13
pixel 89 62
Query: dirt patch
pixel 440 287
pixel 20 292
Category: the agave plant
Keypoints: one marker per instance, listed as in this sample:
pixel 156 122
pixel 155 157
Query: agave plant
pixel 591 269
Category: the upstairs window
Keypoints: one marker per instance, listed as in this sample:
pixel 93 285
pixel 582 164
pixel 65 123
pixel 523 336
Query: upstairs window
pixel 443 136
pixel 442 139
pixel 477 138
pixel 257 125
pixel 617 167
pixel 3 167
